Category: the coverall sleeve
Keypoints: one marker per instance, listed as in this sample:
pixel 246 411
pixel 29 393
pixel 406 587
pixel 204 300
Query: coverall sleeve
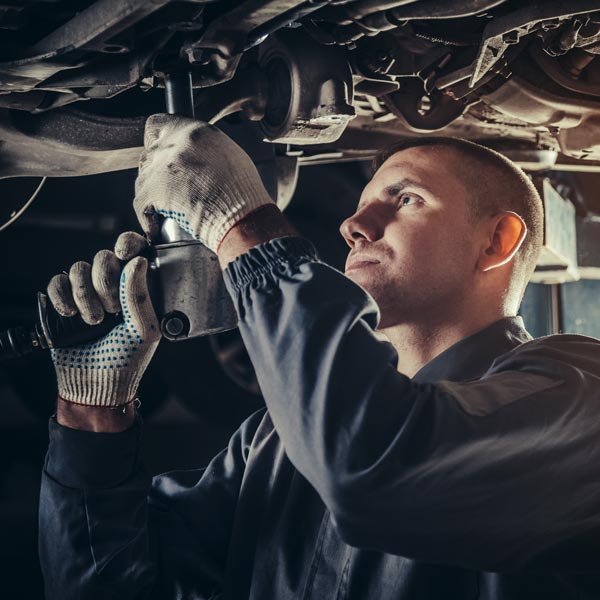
pixel 497 474
pixel 109 530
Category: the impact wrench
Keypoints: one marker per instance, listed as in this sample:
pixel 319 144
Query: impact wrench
pixel 184 278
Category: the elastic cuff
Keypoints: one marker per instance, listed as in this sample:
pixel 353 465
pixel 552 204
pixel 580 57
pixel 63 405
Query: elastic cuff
pixel 86 459
pixel 289 250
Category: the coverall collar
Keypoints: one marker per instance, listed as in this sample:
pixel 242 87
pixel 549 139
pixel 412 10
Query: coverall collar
pixel 472 356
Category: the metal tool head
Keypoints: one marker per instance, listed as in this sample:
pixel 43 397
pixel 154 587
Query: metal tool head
pixel 188 287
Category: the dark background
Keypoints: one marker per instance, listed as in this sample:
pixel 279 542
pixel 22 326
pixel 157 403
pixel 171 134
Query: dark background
pixel 190 405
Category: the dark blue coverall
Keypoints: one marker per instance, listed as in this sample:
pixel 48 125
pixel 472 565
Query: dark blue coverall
pixel 478 478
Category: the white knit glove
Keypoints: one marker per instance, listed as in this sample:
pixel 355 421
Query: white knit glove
pixel 193 173
pixel 108 371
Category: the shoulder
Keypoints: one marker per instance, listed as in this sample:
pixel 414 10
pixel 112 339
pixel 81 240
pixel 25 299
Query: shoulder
pixel 549 369
pixel 560 355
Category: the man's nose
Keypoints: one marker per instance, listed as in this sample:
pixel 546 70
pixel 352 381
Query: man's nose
pixel 363 224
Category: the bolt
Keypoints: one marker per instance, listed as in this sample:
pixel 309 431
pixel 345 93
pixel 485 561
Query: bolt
pixel 424 106
pixel 548 25
pixel 174 326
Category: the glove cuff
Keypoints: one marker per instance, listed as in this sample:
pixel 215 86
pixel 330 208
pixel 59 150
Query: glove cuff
pixel 102 387
pixel 218 220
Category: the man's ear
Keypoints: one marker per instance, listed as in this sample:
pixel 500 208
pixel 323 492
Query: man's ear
pixel 508 230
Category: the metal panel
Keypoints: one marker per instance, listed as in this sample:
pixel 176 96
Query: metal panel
pixel 558 260
pixel 588 247
pixel 581 309
pixel 96 24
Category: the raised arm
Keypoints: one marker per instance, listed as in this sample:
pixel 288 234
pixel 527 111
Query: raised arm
pixel 496 474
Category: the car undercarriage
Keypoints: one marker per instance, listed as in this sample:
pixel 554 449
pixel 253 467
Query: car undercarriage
pixel 300 83
pixel 312 90
pixel 322 80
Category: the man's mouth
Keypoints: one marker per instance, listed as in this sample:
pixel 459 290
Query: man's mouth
pixel 360 262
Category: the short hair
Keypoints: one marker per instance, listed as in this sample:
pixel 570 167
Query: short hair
pixel 498 185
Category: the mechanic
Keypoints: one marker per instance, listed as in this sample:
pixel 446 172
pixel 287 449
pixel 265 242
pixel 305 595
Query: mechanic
pixel 459 461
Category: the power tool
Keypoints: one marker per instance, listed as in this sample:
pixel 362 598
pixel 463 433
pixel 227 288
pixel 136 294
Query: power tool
pixel 184 278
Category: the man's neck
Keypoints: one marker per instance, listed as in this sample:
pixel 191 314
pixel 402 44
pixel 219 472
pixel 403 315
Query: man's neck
pixel 419 343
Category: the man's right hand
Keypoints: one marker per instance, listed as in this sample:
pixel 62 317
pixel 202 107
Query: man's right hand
pixel 96 378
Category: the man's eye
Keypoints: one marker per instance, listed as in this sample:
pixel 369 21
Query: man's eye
pixel 406 199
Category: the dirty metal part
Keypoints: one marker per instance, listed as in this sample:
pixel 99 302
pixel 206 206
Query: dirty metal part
pixel 67 142
pixel 529 95
pixel 95 80
pixel 59 60
pixel 582 141
pixel 309 91
pixel 179 297
pixel 439 9
pixel 557 262
pixel 553 68
pixel 370 18
pixel 374 88
pixel 246 93
pixel 369 26
pixel 96 24
pixel 422 111
pixel 578 167
pixel 424 9
pixel 23 74
pixel 502 32
pixel 580 32
pixel 384 59
pixel 188 310
pixel 347 13
pixel 283 20
pixel 576 62
pixel 363 138
pixel 221 46
pixel 105 78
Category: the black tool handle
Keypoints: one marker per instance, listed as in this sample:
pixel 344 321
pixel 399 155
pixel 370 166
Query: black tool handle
pixel 63 332
pixel 179 95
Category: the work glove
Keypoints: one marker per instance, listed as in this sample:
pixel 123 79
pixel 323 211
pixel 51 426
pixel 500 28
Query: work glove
pixel 108 371
pixel 193 173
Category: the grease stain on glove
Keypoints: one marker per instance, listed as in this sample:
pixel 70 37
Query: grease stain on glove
pixel 192 172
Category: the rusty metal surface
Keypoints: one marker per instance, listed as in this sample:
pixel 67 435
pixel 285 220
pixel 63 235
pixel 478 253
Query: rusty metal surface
pixel 67 142
pixel 96 24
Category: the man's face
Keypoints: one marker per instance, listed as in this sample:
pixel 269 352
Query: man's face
pixel 412 243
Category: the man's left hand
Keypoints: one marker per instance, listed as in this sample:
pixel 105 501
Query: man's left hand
pixel 192 172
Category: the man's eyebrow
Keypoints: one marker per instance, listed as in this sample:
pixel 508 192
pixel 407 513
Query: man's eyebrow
pixel 401 185
pixel 397 187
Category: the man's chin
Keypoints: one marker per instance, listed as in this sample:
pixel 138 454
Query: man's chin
pixel 372 288
pixel 360 277
pixel 377 290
